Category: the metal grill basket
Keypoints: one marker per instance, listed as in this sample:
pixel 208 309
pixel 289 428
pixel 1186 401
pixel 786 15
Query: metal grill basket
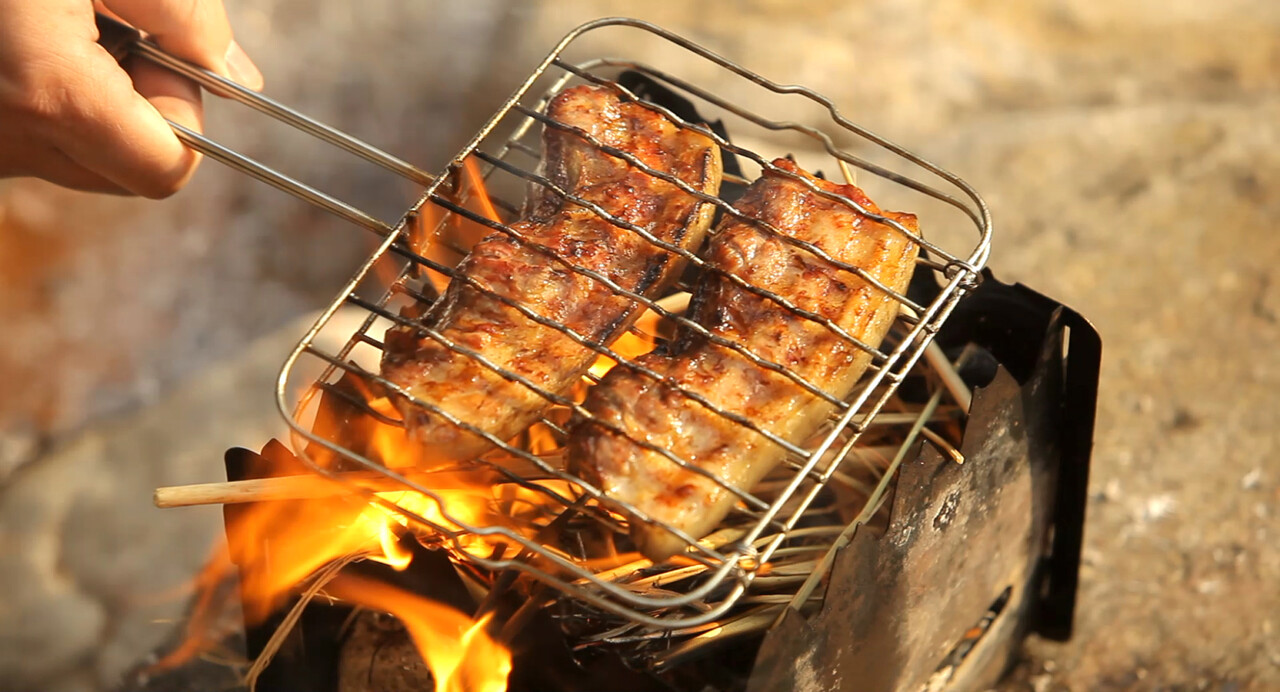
pixel 759 121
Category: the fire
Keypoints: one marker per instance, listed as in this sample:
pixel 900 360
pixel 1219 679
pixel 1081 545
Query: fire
pixel 445 237
pixel 644 336
pixel 393 554
pixel 461 654
pixel 628 346
pixel 476 183
pixel 281 546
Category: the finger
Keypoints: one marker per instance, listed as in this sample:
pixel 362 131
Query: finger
pixel 196 30
pixel 48 163
pixel 106 126
pixel 100 6
pixel 176 98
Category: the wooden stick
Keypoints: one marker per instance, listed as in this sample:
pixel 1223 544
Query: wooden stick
pixel 713 541
pixel 234 492
pixel 312 486
pixel 850 176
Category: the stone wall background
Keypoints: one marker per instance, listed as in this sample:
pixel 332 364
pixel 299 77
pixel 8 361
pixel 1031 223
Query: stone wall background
pixel 1129 150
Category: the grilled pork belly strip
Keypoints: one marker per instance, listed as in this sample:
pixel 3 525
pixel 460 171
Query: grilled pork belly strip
pixel 548 358
pixel 655 412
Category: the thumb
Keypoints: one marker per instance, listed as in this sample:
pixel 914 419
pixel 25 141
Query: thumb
pixel 195 30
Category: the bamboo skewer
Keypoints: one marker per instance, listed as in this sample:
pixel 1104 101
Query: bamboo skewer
pixel 312 486
pixel 755 620
pixel 850 176
pixel 942 415
pixel 255 490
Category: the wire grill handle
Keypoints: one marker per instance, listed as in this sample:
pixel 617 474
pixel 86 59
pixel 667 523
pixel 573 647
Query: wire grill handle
pixel 123 41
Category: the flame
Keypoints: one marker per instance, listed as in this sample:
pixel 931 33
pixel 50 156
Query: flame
pixel 203 629
pixel 393 554
pixel 461 654
pixel 644 335
pixel 629 345
pixel 476 182
pixel 279 546
pixel 446 237
pixel 541 439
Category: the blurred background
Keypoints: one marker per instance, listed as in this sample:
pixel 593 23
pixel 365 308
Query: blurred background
pixel 1129 150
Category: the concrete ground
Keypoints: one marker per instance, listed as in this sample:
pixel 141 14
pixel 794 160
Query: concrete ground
pixel 1129 150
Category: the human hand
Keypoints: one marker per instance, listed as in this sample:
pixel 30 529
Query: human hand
pixel 70 114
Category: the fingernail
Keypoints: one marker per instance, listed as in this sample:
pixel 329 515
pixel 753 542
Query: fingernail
pixel 243 71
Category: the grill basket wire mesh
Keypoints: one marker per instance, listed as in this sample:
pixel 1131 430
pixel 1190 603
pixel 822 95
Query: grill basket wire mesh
pixel 510 162
pixel 505 153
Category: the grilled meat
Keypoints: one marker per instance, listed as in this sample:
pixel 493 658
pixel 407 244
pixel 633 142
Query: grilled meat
pixel 655 412
pixel 524 275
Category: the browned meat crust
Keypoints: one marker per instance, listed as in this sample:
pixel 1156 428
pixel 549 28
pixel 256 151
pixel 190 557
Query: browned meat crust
pixel 548 358
pixel 656 413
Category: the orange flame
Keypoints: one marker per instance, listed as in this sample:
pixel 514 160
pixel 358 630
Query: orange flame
pixel 279 545
pixel 644 335
pixel 476 182
pixel 461 654
pixel 445 237
pixel 629 345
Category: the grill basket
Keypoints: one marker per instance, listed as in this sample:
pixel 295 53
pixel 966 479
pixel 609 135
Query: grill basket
pixel 753 120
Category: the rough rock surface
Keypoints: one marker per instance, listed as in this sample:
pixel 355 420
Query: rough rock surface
pixel 93 576
pixel 1129 151
pixel 1157 230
